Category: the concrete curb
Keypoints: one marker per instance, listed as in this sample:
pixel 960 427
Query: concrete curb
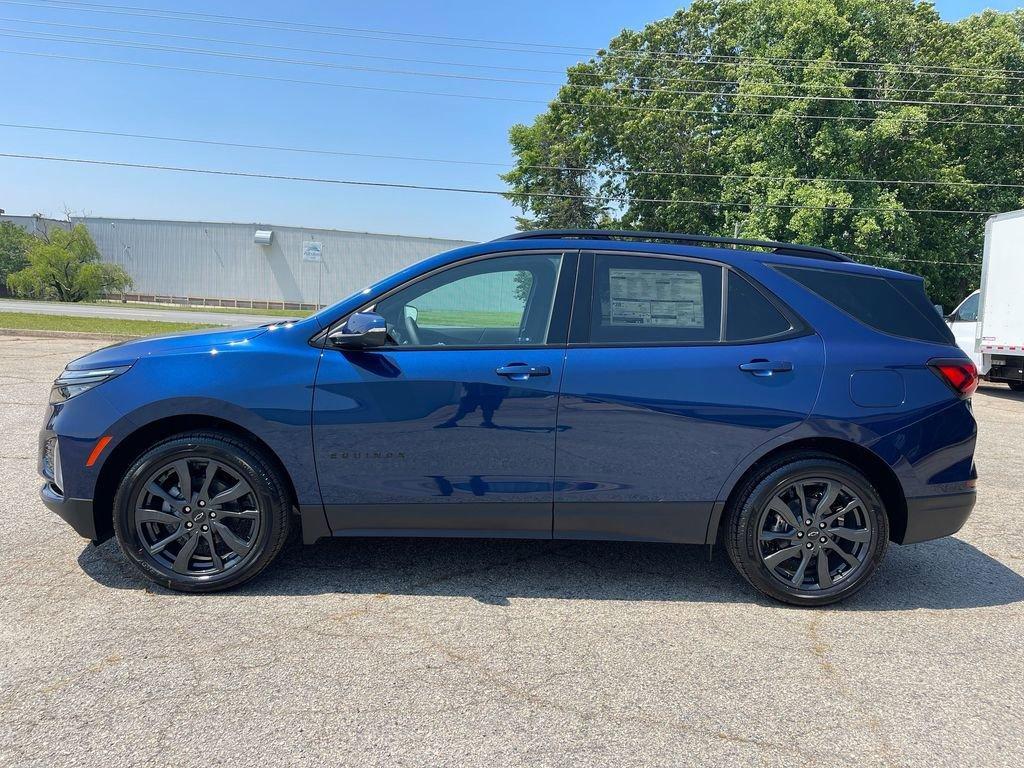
pixel 40 334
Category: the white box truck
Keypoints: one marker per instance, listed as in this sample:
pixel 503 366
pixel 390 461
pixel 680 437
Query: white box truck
pixel 989 324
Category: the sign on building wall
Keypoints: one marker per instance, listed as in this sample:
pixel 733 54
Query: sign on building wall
pixel 312 250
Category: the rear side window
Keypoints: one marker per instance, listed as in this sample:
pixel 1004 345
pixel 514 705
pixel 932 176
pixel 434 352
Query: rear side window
pixel 646 299
pixel 749 315
pixel 891 305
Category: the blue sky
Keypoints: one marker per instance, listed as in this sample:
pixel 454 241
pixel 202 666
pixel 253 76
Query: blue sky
pixel 55 92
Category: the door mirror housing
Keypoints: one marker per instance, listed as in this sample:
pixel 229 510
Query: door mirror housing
pixel 363 330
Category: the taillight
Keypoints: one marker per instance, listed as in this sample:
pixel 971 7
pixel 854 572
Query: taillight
pixel 960 375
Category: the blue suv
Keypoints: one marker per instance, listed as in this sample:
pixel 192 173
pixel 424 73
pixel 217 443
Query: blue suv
pixel 799 408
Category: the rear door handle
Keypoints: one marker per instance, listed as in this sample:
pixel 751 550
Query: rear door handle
pixel 522 371
pixel 766 367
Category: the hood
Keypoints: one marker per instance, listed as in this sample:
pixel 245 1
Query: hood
pixel 127 352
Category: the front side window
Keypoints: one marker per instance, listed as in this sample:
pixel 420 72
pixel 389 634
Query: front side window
pixel 968 311
pixel 501 301
pixel 646 299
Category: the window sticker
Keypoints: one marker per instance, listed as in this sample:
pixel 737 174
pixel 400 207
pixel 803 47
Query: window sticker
pixel 672 299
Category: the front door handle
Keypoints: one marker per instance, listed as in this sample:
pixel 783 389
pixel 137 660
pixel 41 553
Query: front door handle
pixel 766 367
pixel 522 371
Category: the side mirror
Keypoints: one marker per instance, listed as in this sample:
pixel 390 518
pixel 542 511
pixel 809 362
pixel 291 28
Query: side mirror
pixel 363 330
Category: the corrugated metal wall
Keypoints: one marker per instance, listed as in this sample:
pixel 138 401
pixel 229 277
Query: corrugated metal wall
pixel 222 261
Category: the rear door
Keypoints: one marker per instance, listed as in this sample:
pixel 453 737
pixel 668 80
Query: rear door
pixel 676 369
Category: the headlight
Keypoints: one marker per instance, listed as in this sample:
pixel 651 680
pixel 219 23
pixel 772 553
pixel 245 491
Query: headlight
pixel 71 383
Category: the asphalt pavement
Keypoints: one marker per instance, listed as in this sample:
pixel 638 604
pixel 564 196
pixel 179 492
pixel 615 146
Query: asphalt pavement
pixel 130 312
pixel 502 653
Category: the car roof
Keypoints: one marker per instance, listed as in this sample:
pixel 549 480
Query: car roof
pixel 735 251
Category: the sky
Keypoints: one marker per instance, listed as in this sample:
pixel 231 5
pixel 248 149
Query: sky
pixel 41 90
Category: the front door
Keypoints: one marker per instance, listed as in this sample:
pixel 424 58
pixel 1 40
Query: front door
pixel 659 403
pixel 450 429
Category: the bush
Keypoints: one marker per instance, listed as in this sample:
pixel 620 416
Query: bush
pixel 65 265
pixel 13 250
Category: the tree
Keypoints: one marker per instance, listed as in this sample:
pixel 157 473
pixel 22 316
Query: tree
pixel 64 264
pixel 803 120
pixel 13 250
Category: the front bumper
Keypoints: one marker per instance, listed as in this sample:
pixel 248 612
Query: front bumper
pixel 932 517
pixel 75 512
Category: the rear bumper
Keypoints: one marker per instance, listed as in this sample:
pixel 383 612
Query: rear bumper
pixel 75 512
pixel 933 517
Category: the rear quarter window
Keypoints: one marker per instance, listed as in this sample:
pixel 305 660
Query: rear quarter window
pixel 895 306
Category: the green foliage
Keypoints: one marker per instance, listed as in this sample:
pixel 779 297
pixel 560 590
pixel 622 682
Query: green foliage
pixel 13 250
pixel 65 265
pixel 666 99
pixel 522 283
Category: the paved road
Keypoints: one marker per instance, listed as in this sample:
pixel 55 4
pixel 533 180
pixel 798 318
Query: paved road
pixel 502 653
pixel 128 312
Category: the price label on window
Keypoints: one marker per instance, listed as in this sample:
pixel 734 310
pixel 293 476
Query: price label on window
pixel 673 299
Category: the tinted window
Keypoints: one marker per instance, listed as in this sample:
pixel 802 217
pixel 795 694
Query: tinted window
pixel 502 301
pixel 891 305
pixel 648 299
pixel 749 315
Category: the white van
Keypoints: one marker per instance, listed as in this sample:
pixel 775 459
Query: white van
pixel 989 324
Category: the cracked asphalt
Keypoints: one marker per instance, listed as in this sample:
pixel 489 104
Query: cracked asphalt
pixel 473 653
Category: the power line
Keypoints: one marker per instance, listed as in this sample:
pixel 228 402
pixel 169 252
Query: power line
pixel 513 100
pixel 916 261
pixel 449 161
pixel 421 38
pixel 393 185
pixel 107 42
pixel 493 192
pixel 499 67
pixel 530 48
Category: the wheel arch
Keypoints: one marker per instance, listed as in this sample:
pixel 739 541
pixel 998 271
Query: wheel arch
pixel 874 467
pixel 131 446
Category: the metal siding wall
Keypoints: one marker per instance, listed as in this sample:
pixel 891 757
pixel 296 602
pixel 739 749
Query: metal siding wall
pixel 222 261
pixel 218 260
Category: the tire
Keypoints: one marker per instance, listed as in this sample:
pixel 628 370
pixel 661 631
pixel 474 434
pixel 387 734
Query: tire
pixel 233 523
pixel 1016 386
pixel 781 555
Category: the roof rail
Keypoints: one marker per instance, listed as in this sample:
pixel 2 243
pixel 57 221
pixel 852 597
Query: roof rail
pixel 786 249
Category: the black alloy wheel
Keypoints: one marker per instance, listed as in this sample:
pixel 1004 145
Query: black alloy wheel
pixel 201 512
pixel 807 529
pixel 814 533
pixel 197 517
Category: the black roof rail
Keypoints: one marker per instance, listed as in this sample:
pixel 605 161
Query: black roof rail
pixel 786 249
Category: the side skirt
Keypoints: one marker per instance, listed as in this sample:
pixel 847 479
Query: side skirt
pixel 679 522
pixel 529 520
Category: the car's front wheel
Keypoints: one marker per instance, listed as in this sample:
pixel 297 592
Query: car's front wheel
pixel 807 530
pixel 200 512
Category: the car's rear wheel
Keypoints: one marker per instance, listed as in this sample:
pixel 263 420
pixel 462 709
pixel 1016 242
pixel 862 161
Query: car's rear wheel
pixel 201 512
pixel 1017 386
pixel 807 530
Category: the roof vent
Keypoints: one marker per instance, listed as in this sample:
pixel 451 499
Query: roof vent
pixel 263 236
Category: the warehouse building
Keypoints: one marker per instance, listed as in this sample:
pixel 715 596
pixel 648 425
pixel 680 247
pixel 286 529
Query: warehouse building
pixel 259 265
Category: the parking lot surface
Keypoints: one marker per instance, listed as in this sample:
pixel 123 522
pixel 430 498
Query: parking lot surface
pixel 465 653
